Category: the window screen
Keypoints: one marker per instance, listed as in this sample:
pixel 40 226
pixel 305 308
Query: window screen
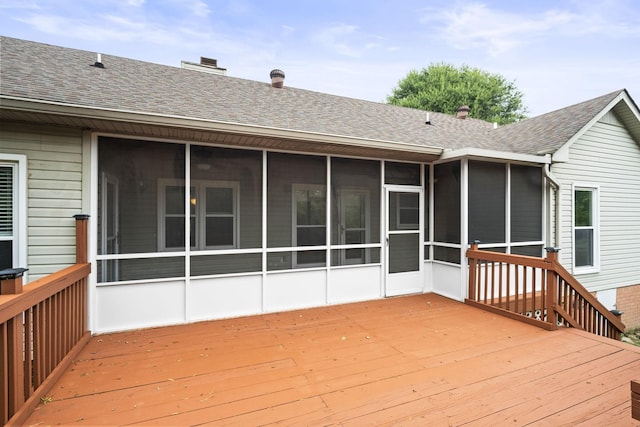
pixel 447 202
pixel 526 203
pixel 487 183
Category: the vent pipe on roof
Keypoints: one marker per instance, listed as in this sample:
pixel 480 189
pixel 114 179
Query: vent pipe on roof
pixel 463 112
pixel 277 78
pixel 98 62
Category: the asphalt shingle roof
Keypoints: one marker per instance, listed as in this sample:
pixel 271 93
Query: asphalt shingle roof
pixel 50 73
pixel 548 132
pixel 42 72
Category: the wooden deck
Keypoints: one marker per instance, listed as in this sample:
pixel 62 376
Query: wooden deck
pixel 418 360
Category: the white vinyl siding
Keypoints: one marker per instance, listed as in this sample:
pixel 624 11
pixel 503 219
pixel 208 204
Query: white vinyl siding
pixel 54 191
pixel 608 157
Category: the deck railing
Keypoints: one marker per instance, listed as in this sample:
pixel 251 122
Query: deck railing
pixel 42 327
pixel 536 290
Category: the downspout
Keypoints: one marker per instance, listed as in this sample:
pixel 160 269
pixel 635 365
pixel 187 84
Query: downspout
pixel 553 181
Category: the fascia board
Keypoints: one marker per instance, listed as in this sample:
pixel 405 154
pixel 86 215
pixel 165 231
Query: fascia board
pixel 495 155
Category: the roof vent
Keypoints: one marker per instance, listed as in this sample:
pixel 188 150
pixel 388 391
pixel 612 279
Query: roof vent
pixel 98 62
pixel 211 62
pixel 277 78
pixel 463 112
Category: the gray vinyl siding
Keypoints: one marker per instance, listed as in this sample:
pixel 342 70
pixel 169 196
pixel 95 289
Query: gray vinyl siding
pixel 606 156
pixel 54 191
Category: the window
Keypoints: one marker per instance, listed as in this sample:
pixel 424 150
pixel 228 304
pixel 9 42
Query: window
pixel 354 224
pixel 355 210
pixel 213 214
pixel 7 216
pixel 585 229
pixel 309 213
pixel 13 206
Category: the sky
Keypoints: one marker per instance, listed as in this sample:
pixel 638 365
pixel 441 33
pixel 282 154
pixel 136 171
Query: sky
pixel 557 53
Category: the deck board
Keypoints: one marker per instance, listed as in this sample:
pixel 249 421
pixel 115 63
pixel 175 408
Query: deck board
pixel 417 360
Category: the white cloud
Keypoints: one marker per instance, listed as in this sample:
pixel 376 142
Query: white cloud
pixel 347 40
pixel 335 38
pixel 475 26
pixel 197 7
pixel 497 31
pixel 18 4
pixel 287 30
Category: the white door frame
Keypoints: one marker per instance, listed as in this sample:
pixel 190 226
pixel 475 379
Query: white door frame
pixel 407 282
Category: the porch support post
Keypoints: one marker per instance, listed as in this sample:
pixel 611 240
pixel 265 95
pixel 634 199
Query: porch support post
pixel 81 238
pixel 552 286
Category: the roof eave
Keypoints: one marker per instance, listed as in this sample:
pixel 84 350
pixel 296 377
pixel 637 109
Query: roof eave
pixel 98 113
pixel 494 155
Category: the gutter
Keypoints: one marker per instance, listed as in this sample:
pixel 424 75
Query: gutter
pixel 98 113
pixel 553 182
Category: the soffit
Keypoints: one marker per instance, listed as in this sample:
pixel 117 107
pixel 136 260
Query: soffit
pixel 232 139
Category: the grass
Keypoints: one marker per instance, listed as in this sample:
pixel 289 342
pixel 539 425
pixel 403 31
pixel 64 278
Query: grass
pixel 632 337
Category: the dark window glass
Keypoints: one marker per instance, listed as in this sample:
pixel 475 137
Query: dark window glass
pixel 220 231
pixel 6 254
pixel 583 208
pixel 584 247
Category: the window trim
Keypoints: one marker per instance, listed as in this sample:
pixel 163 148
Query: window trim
pixel 595 206
pixel 19 163
pixel 200 187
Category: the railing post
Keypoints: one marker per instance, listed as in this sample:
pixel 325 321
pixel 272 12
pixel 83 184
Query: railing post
pixel 11 281
pixel 473 267
pixel 81 238
pixel 552 286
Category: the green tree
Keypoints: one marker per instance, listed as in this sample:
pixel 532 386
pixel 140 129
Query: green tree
pixel 444 88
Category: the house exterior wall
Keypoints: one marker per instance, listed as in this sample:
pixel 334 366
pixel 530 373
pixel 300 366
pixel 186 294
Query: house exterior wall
pixel 54 192
pixel 607 158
